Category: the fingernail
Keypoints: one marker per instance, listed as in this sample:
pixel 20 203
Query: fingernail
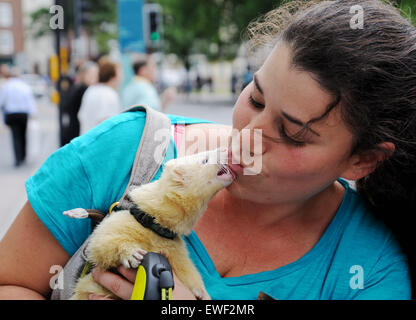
pixel 95 271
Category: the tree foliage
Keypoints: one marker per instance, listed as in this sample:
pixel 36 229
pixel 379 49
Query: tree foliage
pixel 212 27
pixel 409 9
pixel 101 15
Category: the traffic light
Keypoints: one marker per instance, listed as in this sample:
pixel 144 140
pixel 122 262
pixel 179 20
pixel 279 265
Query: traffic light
pixel 153 25
pixel 63 58
pixel 82 14
pixel 54 68
pixel 86 11
pixel 154 30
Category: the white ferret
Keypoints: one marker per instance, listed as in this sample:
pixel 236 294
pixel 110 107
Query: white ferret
pixel 175 201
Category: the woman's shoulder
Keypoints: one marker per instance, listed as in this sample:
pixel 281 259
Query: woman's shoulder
pixel 124 126
pixel 361 219
pixel 129 124
pixel 362 249
pixel 365 236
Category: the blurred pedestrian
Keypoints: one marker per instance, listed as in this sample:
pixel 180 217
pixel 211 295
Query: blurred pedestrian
pixel 87 76
pixel 234 81
pixel 4 73
pixel 210 84
pixel 198 83
pixel 141 89
pixel 247 77
pixel 101 101
pixel 17 104
pixel 187 86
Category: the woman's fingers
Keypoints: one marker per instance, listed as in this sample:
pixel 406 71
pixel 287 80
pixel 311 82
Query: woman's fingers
pixel 123 287
pixel 129 274
pixel 93 296
pixel 119 286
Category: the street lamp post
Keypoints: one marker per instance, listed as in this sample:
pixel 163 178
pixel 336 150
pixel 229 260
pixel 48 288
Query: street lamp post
pixel 58 83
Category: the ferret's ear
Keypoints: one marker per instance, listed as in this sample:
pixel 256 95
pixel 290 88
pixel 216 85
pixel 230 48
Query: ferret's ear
pixel 178 177
pixel 176 174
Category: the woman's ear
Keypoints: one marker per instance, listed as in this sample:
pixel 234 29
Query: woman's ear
pixel 365 162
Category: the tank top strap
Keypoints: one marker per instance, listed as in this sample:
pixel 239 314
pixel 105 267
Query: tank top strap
pixel 178 133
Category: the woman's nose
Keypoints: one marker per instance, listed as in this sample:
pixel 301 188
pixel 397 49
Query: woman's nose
pixel 258 127
pixel 248 141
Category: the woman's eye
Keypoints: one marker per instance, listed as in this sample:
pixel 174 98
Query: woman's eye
pixel 290 140
pixel 254 103
pixel 287 138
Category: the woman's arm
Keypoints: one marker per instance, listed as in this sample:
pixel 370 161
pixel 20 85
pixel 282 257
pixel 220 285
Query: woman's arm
pixel 27 253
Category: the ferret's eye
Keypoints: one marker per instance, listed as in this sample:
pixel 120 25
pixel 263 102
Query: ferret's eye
pixel 205 161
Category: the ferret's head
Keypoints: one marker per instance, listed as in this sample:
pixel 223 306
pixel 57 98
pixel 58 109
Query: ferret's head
pixel 202 174
pixel 183 191
pixel 193 181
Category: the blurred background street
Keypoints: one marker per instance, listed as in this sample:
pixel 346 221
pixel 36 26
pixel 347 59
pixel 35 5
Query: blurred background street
pixel 216 108
pixel 65 62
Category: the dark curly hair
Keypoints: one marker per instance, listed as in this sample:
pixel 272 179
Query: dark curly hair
pixel 372 73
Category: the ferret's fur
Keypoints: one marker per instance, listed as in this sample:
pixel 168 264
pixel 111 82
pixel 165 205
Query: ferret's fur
pixel 176 201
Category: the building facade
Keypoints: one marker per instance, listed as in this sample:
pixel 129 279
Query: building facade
pixel 11 30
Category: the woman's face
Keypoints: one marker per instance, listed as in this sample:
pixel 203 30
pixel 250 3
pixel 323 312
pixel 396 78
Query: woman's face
pixel 91 75
pixel 279 98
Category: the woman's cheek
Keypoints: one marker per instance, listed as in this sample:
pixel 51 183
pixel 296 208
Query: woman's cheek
pixel 290 162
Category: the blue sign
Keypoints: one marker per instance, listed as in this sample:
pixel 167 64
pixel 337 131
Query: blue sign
pixel 130 26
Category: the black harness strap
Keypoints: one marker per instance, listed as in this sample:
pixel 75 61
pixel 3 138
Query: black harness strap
pixel 148 222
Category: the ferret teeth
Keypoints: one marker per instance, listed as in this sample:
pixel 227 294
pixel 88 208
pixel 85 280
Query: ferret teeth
pixel 222 170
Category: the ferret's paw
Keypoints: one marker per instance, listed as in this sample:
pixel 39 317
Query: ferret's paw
pixel 200 294
pixel 134 258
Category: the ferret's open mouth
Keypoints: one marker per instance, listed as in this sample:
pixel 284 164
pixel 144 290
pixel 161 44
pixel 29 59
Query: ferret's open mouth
pixel 226 173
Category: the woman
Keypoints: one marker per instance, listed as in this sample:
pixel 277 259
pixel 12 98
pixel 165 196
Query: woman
pixel 332 103
pixel 101 100
pixel 88 75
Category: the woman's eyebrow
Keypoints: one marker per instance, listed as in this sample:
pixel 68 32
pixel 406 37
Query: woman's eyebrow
pixel 299 123
pixel 256 83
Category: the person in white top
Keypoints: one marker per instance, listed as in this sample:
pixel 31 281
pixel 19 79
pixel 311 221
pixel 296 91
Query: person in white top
pixel 101 101
pixel 17 103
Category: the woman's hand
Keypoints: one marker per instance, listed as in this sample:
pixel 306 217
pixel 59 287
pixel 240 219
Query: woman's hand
pixel 122 287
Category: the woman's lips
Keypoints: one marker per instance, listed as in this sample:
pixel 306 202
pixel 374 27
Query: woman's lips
pixel 239 168
pixel 235 167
